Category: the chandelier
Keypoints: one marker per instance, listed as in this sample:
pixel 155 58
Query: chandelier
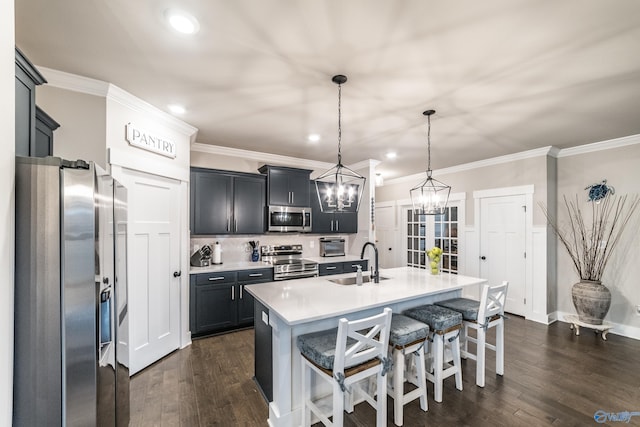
pixel 430 197
pixel 340 189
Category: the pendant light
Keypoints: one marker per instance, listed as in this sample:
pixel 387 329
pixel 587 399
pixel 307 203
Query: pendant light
pixel 431 196
pixel 340 189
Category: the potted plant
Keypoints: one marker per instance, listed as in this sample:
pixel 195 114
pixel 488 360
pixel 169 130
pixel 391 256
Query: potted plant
pixel 590 236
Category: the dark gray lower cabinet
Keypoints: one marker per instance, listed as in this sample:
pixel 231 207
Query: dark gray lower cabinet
pixel 219 301
pixel 329 268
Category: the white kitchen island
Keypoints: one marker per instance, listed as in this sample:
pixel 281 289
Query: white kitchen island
pixel 296 307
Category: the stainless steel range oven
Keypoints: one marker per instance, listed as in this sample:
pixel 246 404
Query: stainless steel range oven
pixel 287 262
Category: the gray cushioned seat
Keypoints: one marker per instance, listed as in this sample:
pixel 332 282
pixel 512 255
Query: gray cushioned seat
pixel 438 318
pixel 465 306
pixel 320 347
pixel 405 330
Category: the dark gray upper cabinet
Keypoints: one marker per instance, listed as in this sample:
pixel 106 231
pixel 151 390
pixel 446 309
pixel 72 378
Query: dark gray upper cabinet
pixel 287 186
pixel 45 126
pixel 323 222
pixel 225 202
pixel 27 78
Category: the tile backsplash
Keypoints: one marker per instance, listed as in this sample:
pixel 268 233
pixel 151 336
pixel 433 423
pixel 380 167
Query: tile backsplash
pixel 237 249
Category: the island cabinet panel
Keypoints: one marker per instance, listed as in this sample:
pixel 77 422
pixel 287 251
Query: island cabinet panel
pixel 246 300
pixel 351 266
pixel 263 360
pixel 329 222
pixel 225 202
pixel 287 186
pixel 219 301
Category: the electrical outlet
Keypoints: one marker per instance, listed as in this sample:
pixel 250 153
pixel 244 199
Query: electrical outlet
pixel 312 244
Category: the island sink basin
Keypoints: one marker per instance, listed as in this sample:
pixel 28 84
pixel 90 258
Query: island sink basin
pixel 352 280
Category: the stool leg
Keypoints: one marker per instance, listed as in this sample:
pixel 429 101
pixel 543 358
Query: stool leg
pixel 381 402
pixel 338 405
pixel 398 386
pixel 438 362
pixel 465 341
pixel 455 352
pixel 422 378
pixel 306 394
pixel 480 355
pixel 500 347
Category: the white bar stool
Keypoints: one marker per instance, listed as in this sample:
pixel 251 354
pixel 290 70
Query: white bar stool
pixel 344 356
pixel 444 330
pixel 482 315
pixel 407 337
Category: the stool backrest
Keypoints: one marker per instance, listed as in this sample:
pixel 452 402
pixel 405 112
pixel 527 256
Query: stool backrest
pixel 492 301
pixel 371 337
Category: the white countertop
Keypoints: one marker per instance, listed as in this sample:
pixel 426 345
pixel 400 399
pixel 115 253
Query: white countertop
pixel 305 300
pixel 230 266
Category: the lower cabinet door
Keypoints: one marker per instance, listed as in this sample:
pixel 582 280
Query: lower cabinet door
pixel 216 307
pixel 245 306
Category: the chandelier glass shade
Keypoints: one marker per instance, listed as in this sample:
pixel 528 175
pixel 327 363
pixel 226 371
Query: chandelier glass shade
pixel 430 197
pixel 340 189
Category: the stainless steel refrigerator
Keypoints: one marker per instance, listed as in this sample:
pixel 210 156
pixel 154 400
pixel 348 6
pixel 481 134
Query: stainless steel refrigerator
pixel 71 320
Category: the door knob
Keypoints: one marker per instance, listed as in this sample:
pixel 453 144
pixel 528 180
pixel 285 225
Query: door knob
pixel 177 273
pixel 483 257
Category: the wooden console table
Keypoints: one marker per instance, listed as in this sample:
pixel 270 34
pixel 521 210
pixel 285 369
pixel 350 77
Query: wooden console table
pixel 598 329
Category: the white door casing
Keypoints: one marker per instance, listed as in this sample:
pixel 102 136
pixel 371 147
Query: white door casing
pixel 503 246
pixel 153 256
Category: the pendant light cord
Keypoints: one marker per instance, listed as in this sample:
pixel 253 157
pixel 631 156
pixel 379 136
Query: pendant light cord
pixel 339 124
pixel 429 144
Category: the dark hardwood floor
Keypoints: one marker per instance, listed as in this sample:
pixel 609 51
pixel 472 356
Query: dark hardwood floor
pixel 552 377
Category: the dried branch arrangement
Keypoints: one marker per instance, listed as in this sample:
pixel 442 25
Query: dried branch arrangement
pixel 590 241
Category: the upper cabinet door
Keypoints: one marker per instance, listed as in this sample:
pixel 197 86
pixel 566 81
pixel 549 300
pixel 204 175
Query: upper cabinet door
pixel 287 186
pixel 211 203
pixel 249 196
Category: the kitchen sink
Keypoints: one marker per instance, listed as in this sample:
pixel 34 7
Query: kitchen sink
pixel 352 280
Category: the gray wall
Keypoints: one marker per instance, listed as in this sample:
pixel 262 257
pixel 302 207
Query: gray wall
pixel 82 118
pixel 7 180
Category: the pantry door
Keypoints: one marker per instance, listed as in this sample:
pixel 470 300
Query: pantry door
pixel 153 258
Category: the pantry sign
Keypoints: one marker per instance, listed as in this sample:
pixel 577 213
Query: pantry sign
pixel 146 140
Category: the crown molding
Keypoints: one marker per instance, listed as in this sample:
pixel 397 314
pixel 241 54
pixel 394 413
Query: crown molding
pixel 538 152
pixel 86 85
pixel 267 158
pixel 599 146
pixel 75 83
pixel 128 100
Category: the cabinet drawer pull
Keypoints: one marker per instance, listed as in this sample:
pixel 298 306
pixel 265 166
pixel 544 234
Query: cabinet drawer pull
pixel 241 291
pixel 211 279
pixel 255 275
pixel 355 265
pixel 233 293
pixel 331 268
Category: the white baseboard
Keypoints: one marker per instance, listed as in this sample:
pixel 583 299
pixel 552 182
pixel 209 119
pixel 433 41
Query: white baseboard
pixel 618 329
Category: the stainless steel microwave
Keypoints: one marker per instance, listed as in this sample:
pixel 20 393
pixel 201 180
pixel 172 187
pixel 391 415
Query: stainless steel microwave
pixel 289 219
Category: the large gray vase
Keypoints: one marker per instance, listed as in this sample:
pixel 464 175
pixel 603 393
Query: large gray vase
pixel 592 301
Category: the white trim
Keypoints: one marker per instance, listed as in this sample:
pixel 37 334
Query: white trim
pixel 504 191
pixel 73 82
pixel 134 103
pixel 538 152
pixel 618 328
pixel 268 158
pixel 389 204
pixel 133 160
pixel 599 146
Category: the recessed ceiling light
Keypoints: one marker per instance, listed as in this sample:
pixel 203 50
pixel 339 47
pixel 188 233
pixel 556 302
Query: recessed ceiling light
pixel 313 137
pixel 176 109
pixel 391 155
pixel 182 22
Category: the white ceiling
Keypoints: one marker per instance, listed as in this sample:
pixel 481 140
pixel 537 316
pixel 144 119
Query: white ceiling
pixel 504 75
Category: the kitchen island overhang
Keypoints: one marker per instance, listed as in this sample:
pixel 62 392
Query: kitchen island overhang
pixel 296 307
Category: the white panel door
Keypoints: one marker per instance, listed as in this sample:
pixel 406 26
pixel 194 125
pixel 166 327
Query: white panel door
pixel 502 246
pixel 153 257
pixel 386 236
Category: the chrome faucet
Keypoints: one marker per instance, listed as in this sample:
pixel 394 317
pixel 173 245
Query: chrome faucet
pixel 376 274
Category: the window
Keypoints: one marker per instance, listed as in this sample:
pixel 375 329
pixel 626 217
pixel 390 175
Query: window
pixel 426 231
